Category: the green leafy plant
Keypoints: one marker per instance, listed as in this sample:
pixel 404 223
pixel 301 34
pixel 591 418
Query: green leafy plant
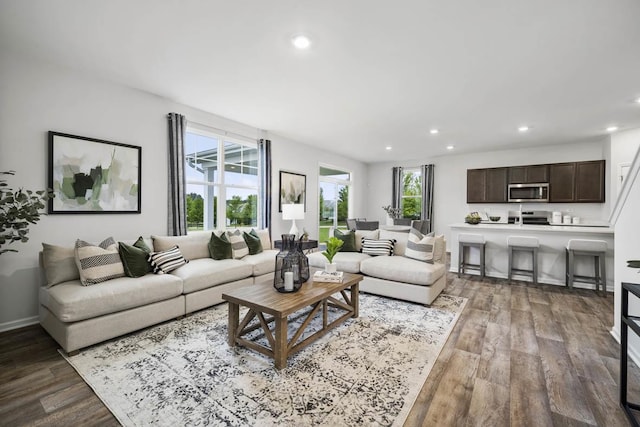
pixel 473 218
pixel 18 210
pixel 333 247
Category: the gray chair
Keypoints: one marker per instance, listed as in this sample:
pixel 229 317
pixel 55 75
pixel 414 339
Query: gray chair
pixel 351 223
pixel 421 225
pixel 402 221
pixel 523 244
pixel 367 225
pixel 593 248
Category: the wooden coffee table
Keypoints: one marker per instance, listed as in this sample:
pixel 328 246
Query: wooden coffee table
pixel 273 308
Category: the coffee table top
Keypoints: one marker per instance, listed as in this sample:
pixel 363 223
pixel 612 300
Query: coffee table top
pixel 268 300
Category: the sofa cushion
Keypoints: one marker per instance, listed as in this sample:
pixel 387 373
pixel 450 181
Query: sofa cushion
pixel 402 269
pixel 400 238
pixel 253 242
pixel 98 263
pixel 70 301
pixel 59 264
pixel 206 272
pixel 377 247
pixel 419 246
pixel 167 261
pixel 348 262
pixel 265 238
pixel 220 247
pixel 239 247
pixel 192 246
pixel 262 263
pixel 135 258
pixel 348 239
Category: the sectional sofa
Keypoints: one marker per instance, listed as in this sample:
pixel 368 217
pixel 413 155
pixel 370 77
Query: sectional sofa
pixel 78 316
pixel 395 276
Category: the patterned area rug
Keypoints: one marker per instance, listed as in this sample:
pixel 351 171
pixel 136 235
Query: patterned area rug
pixel 367 371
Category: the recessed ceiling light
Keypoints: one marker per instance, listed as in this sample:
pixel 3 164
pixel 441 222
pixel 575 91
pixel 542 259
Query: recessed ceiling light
pixel 612 128
pixel 300 41
pixel 434 131
pixel 388 148
pixel 450 147
pixel 523 129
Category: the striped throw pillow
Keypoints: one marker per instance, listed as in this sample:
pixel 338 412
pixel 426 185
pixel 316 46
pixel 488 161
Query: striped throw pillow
pixel 100 263
pixel 420 246
pixel 166 261
pixel 239 247
pixel 377 247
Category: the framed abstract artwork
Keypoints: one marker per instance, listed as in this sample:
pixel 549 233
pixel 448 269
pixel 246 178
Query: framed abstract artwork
pixel 92 176
pixel 293 189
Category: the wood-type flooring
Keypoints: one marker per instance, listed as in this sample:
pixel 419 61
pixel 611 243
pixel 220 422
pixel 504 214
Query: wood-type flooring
pixel 520 355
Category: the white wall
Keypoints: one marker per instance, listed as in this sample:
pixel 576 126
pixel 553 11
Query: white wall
pixel 450 181
pixel 38 97
pixel 623 147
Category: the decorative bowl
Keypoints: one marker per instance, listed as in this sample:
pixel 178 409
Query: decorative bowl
pixel 472 220
pixel 494 218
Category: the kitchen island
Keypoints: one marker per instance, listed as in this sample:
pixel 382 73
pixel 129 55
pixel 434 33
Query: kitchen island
pixel 551 254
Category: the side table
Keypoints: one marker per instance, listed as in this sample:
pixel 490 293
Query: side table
pixel 308 246
pixel 627 322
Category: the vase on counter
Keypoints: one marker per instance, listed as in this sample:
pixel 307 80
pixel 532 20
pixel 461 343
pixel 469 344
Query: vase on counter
pixel 389 220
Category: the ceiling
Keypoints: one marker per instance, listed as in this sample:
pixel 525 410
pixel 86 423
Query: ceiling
pixel 378 73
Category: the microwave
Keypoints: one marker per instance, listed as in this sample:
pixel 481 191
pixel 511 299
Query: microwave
pixel 522 193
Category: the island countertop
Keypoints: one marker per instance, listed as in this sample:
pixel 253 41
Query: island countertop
pixel 528 228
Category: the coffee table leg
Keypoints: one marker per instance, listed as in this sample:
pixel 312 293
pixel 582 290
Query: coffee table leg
pixel 280 351
pixel 355 292
pixel 234 320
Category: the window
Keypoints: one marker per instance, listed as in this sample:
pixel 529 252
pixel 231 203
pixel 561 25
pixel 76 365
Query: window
pixel 411 201
pixel 220 168
pixel 334 200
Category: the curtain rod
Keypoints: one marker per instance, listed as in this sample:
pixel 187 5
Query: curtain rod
pixel 225 132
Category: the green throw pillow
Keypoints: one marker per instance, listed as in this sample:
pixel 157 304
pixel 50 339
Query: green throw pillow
pixel 349 240
pixel 134 258
pixel 253 242
pixel 220 247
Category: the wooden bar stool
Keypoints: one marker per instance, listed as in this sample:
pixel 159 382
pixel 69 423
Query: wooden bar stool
pixel 470 241
pixel 582 247
pixel 523 244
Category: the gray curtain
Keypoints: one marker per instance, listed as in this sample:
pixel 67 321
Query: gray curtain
pixel 427 196
pixel 177 225
pixel 396 195
pixel 264 169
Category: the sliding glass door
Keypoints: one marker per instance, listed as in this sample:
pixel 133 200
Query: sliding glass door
pixel 334 200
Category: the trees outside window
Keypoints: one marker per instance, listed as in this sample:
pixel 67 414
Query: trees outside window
pixel 411 203
pixel 333 200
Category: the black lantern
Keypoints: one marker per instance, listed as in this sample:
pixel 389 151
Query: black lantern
pixel 292 265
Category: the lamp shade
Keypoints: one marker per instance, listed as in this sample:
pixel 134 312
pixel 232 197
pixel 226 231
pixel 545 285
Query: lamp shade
pixel 292 211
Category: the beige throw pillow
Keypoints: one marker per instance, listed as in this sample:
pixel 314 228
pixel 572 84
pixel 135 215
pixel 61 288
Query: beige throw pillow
pixel 420 246
pixel 59 264
pixel 239 247
pixel 100 263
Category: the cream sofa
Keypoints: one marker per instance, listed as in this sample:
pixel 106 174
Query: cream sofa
pixel 393 276
pixel 78 316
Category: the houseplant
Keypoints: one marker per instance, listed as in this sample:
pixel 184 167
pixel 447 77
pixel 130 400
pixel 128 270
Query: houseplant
pixel 333 247
pixel 392 213
pixel 18 210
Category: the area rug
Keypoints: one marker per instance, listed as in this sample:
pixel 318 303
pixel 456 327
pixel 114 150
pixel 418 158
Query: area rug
pixel 367 371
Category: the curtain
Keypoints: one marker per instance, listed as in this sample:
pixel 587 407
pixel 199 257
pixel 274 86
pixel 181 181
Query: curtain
pixel 177 224
pixel 427 195
pixel 396 195
pixel 264 171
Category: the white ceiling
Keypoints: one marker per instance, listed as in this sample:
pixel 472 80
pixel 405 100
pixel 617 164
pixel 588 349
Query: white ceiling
pixel 378 73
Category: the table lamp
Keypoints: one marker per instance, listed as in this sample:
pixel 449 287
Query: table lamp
pixel 293 212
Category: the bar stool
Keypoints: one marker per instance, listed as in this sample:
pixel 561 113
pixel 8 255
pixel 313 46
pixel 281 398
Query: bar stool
pixel 582 247
pixel 523 244
pixel 470 241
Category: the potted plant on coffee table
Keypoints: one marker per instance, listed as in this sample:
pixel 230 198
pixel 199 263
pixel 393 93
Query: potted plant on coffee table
pixel 333 247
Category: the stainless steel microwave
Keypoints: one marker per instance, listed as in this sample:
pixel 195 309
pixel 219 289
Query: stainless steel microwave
pixel 522 193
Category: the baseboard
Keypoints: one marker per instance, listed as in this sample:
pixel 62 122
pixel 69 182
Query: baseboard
pixel 20 323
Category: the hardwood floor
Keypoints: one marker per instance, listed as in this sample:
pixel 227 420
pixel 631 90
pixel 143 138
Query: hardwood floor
pixel 520 355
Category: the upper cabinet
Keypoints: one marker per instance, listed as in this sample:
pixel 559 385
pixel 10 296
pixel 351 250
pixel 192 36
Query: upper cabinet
pixel 533 174
pixel 572 182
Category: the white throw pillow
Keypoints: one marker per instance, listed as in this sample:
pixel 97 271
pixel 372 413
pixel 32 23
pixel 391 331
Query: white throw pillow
pixel 100 263
pixel 166 261
pixel 378 247
pixel 365 234
pixel 239 247
pixel 420 246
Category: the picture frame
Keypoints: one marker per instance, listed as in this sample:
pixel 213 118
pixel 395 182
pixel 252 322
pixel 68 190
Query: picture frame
pixel 93 176
pixel 293 189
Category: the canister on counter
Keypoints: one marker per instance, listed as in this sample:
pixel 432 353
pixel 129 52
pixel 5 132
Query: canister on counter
pixel 566 219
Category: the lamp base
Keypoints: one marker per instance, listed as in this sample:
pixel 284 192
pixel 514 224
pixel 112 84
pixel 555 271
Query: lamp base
pixel 294 229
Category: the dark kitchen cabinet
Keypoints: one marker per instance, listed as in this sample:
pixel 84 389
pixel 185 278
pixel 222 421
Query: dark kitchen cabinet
pixel 562 178
pixel 487 185
pixel 590 181
pixel 476 185
pixel 533 174
pixel 496 185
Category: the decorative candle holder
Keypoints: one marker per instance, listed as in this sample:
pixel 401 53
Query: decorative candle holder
pixel 292 266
